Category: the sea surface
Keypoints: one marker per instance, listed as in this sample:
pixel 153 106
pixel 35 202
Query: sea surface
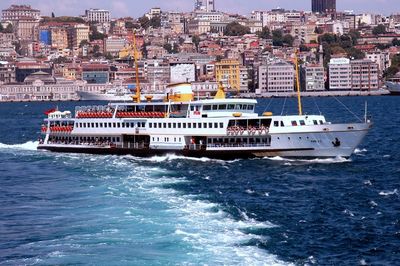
pixel 71 209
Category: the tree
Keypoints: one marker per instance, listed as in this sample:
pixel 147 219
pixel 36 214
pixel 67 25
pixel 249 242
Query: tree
pixel 175 48
pixel 95 35
pixel 265 33
pixel 396 42
pixel 144 22
pixel 355 35
pixel 277 38
pixel 355 53
pixel 236 29
pixel 52 15
pixel 109 56
pixel 396 60
pixel 83 43
pixel 1 27
pixel 288 40
pixel 218 58
pixel 130 25
pixel 380 29
pixel 391 72
pixel 196 41
pixel 9 29
pixel 96 49
pixel 168 47
pixel 155 22
pixel 318 30
pixel 327 38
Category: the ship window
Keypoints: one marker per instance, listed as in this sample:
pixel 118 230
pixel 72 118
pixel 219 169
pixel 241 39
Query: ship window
pixel 315 122
pixel 92 125
pixel 184 125
pixel 118 125
pixel 174 125
pixel 97 125
pixel 282 124
pixel 206 107
pixel 143 124
pixel 159 125
pixel 294 123
pixel 150 125
pixel 210 125
pixel 321 122
pixel 204 125
pixel 302 122
pixel 132 125
pixel 123 124
pixel 113 139
pixel 215 107
pixel 114 125
pixel 231 106
pixel 101 124
pixel 179 125
pixel 250 107
pixel 194 125
pixel 158 139
pixel 222 107
pixel 199 125
pixel 221 125
pixel 165 125
pixel 180 139
pixel 276 123
pixel 239 107
pixel 189 125
pixel 174 139
pixel 169 125
pixel 215 125
pixel 152 138
pixel 155 125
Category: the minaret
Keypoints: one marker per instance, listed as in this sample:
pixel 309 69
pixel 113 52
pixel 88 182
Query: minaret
pixel 321 55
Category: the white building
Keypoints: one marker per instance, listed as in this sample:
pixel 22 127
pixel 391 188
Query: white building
pixel 114 44
pixel 381 58
pixel 204 5
pixel 339 74
pixel 276 76
pixel 97 15
pixel 313 77
pixel 182 72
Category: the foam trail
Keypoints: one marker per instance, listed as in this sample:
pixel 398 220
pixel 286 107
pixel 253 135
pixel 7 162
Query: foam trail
pixel 30 145
pixel 310 161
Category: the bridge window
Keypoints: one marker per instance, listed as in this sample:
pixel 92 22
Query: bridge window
pixel 282 124
pixel 199 125
pixel 315 122
pixel 194 125
pixel 159 125
pixel 231 106
pixel 174 125
pixel 179 125
pixel 294 123
pixel 215 107
pixel 206 107
pixel 221 125
pixel 210 125
pixel 276 123
pixel 302 122
pixel 250 107
pixel 204 125
pixel 222 107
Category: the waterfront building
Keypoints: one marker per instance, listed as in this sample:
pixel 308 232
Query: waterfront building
pixel 364 75
pixel 17 12
pixel 323 6
pixel 276 76
pixel 158 71
pixel 382 58
pixel 228 72
pixel 97 15
pixel 7 72
pixel 24 69
pixel 199 26
pixel 340 74
pixel 313 77
pixel 96 73
pixel 244 79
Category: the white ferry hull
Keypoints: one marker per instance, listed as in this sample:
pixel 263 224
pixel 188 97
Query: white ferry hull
pixel 288 145
pixel 393 87
pixel 90 96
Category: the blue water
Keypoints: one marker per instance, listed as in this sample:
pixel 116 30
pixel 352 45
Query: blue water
pixel 74 209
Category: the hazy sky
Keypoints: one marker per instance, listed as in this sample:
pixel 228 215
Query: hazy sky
pixel 136 8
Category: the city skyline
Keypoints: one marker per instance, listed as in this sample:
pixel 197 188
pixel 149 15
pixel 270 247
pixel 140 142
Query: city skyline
pixel 121 8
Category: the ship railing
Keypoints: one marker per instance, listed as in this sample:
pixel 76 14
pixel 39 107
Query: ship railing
pixel 193 147
pixel 140 114
pixel 59 129
pixel 250 131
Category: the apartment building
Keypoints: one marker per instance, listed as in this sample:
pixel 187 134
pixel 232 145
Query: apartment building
pixel 364 75
pixel 313 77
pixel 97 15
pixel 340 74
pixel 228 72
pixel 276 76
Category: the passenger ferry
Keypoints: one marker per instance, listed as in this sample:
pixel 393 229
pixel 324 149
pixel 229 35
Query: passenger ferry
pixel 216 128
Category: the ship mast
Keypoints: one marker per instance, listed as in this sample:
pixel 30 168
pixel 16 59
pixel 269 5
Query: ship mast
pixel 137 96
pixel 298 83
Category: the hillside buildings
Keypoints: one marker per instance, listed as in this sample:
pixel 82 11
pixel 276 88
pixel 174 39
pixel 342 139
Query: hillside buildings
pixel 323 6
pixel 97 15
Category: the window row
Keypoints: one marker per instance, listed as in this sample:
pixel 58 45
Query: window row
pixel 187 125
pixel 111 125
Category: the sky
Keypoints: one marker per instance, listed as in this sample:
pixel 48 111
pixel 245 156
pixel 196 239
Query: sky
pixel 135 8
